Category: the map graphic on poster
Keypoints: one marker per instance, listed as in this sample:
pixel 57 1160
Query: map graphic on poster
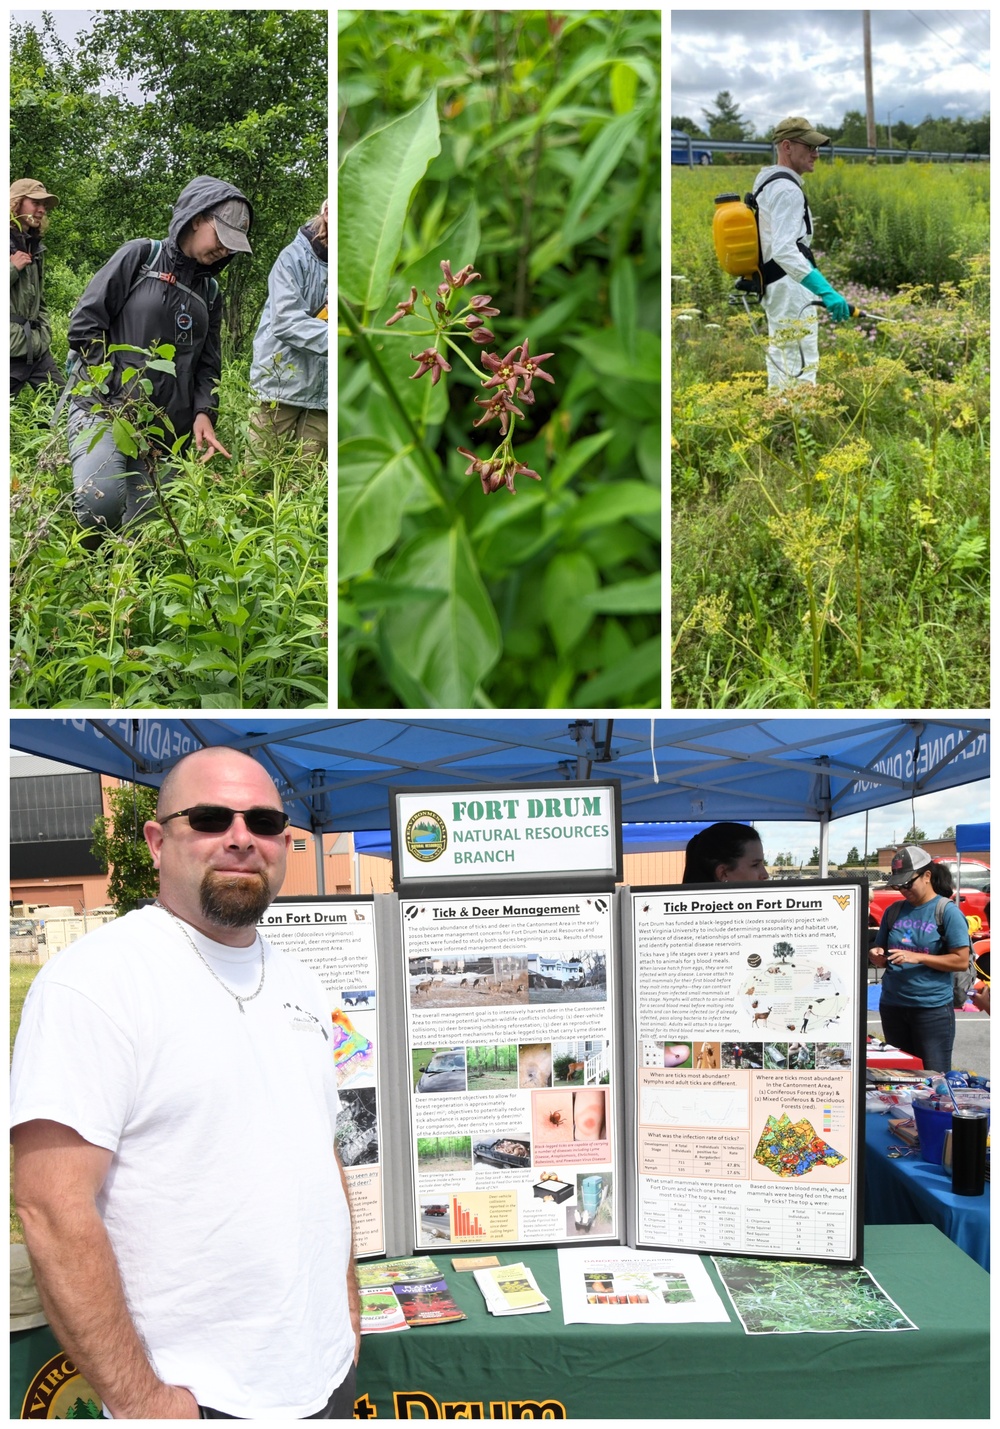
pixel 746 1119
pixel 509 1016
pixel 336 938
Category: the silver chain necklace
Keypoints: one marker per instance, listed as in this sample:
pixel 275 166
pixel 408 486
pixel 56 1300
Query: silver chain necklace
pixel 239 1000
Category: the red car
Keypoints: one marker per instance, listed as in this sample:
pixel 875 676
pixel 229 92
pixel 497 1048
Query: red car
pixel 973 896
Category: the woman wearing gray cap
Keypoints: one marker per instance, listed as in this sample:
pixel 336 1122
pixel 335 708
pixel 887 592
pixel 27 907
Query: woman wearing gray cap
pixel 920 945
pixel 153 291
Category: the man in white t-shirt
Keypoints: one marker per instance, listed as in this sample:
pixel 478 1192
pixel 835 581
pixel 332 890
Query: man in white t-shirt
pixel 174 1105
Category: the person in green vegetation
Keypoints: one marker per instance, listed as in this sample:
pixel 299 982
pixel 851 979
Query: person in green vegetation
pixel 31 362
pixel 149 292
pixel 289 372
pixel 786 230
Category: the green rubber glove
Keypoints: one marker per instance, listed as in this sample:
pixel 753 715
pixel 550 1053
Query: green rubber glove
pixel 836 305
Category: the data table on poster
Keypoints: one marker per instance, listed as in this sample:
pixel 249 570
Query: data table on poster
pixel 796 1230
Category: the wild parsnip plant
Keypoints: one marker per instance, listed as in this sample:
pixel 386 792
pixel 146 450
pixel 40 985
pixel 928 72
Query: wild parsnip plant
pixel 218 601
pixel 830 543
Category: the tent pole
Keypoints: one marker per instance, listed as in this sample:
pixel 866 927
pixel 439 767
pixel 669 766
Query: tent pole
pixel 320 870
pixel 824 846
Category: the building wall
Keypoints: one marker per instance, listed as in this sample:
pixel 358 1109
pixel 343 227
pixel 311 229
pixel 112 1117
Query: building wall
pixel 937 848
pixel 82 894
pixel 640 868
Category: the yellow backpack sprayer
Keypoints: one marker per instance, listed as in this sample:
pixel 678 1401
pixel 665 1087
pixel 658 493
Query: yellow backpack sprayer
pixel 736 236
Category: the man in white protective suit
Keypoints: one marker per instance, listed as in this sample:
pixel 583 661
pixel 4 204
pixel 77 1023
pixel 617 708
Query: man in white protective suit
pixel 785 225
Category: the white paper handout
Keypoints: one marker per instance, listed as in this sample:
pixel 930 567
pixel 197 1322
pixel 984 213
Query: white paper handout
pixel 618 1286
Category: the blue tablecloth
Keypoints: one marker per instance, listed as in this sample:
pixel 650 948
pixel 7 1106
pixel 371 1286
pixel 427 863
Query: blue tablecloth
pixel 911 1191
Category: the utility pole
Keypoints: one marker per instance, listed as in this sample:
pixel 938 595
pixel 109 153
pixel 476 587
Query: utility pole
pixel 866 22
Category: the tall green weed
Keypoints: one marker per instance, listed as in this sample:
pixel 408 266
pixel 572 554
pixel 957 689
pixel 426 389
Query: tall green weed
pixel 224 605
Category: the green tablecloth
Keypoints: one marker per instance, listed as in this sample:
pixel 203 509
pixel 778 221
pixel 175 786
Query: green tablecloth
pixel 700 1371
pixel 534 1365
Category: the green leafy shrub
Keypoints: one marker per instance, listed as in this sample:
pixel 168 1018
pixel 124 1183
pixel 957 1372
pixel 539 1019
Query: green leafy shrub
pixel 527 145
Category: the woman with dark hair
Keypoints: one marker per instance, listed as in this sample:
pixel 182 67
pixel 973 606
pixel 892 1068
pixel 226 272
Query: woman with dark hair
pixel 153 291
pixel 916 1004
pixel 725 853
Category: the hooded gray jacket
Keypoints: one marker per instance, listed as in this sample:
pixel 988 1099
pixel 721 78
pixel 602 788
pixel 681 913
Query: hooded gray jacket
pixel 291 344
pixel 158 311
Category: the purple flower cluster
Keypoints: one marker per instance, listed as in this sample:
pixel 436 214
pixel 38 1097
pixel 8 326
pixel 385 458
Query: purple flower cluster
pixel 509 379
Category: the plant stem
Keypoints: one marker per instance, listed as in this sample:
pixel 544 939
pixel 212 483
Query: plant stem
pixel 372 358
pixel 464 356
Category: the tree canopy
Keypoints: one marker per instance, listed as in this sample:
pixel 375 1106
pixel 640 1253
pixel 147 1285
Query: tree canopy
pixel 239 94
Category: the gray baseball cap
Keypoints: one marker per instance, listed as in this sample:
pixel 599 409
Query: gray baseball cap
pixel 232 224
pixel 907 862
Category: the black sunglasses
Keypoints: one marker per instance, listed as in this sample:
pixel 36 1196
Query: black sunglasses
pixel 216 818
pixel 905 887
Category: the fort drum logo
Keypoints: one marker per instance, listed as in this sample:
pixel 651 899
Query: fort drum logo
pixel 426 836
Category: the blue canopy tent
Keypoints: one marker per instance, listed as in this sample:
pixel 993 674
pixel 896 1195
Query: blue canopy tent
pixel 972 838
pixel 334 773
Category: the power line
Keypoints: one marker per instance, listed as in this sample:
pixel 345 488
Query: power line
pixel 947 42
pixel 980 17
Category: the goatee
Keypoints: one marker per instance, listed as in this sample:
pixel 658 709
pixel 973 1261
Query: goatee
pixel 234 902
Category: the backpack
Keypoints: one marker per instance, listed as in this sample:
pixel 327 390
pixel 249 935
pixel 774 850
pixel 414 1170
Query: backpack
pixel 76 369
pixel 961 982
pixel 736 234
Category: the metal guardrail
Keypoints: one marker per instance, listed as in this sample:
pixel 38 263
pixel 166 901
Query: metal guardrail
pixel 828 151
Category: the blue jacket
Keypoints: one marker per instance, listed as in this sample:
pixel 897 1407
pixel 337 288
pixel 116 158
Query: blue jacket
pixel 291 344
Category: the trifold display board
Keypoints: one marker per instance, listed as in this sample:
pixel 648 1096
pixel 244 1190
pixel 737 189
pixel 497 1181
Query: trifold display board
pixel 676 1068
pixel 747 1034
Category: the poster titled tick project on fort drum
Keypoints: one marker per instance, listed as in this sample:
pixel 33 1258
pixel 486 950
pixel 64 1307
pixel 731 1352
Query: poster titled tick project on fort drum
pixel 510 1012
pixel 748 1006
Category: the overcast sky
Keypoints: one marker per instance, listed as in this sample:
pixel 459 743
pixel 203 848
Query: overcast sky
pixel 967 804
pixel 68 24
pixel 811 62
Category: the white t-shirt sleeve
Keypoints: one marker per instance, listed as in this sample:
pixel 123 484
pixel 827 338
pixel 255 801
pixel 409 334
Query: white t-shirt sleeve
pixel 72 1065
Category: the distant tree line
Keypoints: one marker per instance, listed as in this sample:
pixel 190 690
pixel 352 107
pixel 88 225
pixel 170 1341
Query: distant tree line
pixel 956 136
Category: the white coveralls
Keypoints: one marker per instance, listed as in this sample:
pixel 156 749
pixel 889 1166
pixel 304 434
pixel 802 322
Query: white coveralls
pixel 793 350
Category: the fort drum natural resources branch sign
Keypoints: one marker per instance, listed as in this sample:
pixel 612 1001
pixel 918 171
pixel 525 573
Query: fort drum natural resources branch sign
pixel 507 837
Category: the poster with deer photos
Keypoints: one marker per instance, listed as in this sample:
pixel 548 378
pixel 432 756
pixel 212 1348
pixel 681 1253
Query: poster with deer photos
pixel 750 1067
pixel 335 936
pixel 510 1011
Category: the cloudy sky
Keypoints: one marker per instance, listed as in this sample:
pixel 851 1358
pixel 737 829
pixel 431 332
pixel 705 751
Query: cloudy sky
pixel 968 804
pixel 778 62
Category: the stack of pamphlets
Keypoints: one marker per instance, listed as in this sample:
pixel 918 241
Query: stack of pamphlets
pixel 511 1290
pixel 397 1294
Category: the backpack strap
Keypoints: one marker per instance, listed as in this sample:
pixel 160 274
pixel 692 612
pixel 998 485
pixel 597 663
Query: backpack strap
pixel 149 269
pixel 771 270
